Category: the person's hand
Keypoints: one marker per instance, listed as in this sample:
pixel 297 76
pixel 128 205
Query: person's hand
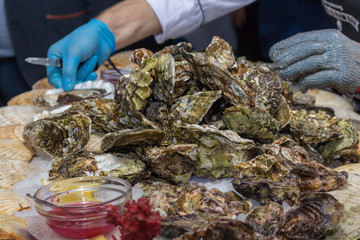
pixel 90 44
pixel 319 59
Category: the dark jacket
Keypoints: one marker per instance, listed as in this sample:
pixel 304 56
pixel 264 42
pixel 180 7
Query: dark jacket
pixel 35 25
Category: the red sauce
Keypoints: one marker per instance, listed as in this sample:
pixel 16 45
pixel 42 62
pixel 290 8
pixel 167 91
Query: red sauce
pixel 80 222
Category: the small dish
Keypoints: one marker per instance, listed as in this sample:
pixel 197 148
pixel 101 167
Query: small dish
pixel 77 207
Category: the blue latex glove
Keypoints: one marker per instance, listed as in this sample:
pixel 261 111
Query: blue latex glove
pixel 90 44
pixel 319 59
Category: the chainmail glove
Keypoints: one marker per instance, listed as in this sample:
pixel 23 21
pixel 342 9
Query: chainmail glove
pixel 319 59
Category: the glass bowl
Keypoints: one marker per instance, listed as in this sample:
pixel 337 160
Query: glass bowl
pixel 77 207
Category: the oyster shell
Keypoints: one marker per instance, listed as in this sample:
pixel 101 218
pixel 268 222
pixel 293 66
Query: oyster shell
pixel 159 112
pixel 222 229
pixel 314 127
pixel 175 163
pixel 130 138
pixel 164 85
pixel 139 55
pixel 60 136
pixel 220 52
pixel 85 90
pixel 343 149
pixel 190 109
pixel 184 78
pixel 313 215
pixel 259 126
pixel 266 220
pixel 219 151
pixel 126 166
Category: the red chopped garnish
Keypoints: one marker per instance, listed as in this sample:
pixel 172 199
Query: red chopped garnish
pixel 137 222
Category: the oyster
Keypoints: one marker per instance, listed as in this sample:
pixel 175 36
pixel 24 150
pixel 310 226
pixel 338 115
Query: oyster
pixel 259 126
pixel 220 52
pixel 266 220
pixel 343 149
pixel 130 138
pixel 60 136
pixel 164 85
pixel 175 163
pixel 219 151
pixel 85 90
pixel 184 78
pixel 102 112
pixel 314 127
pixel 158 112
pixel 222 229
pixel 139 55
pixel 190 109
pixel 175 226
pixel 313 216
pixel 127 166
pixel 262 190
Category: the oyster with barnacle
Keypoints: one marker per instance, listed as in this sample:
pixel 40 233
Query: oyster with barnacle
pixel 218 150
pixel 59 136
pixel 174 163
pixel 313 215
pixel 126 166
pixel 343 149
pixel 314 126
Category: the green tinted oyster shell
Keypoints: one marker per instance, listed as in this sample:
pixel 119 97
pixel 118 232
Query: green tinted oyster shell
pixel 343 149
pixel 131 138
pixel 314 127
pixel 218 150
pixel 190 109
pixel 164 85
pixel 102 112
pixel 251 124
pixel 184 78
pixel 175 163
pixel 267 219
pixel 126 166
pixel 59 136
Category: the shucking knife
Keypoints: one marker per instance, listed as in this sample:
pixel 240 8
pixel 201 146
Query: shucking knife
pixel 44 61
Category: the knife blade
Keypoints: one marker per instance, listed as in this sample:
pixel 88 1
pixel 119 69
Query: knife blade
pixel 44 61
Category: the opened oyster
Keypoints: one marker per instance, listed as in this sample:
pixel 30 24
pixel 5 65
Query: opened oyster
pixel 60 136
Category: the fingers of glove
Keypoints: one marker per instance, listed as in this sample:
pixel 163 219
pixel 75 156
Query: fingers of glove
pixel 298 52
pixel 91 77
pixel 304 67
pixel 312 36
pixel 70 65
pixel 86 69
pixel 322 79
pixel 53 73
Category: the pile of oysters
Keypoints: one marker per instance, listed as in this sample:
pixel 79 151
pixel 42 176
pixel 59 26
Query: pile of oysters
pixel 183 113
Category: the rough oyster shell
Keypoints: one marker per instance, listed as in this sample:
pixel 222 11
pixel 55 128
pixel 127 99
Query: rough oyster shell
pixel 59 136
pixel 175 163
pixel 190 109
pixel 219 151
pixel 343 149
pixel 313 215
pixel 314 127
pixel 184 78
pixel 139 55
pixel 129 138
pixel 220 52
pixel 266 220
pixel 164 85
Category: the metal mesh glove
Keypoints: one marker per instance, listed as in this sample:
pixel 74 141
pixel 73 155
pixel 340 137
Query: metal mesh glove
pixel 319 59
pixel 90 44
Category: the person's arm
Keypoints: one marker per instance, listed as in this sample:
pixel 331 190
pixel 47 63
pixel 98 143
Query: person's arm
pixel 130 21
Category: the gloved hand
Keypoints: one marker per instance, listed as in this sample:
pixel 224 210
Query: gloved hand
pixel 319 59
pixel 90 44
